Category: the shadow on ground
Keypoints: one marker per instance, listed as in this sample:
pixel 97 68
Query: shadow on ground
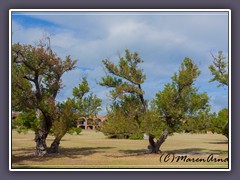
pixel 63 152
pixel 187 151
pixel 218 142
pixel 196 151
pixel 133 152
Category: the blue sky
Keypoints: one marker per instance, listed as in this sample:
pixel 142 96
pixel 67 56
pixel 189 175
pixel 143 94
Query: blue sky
pixel 162 39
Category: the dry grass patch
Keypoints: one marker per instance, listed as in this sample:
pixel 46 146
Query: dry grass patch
pixel 94 150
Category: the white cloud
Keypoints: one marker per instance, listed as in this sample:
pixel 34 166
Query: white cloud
pixel 64 40
pixel 26 35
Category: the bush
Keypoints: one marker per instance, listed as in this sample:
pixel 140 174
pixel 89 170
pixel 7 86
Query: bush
pixel 122 136
pixel 118 136
pixel 75 130
pixel 22 130
pixel 25 121
pixel 136 136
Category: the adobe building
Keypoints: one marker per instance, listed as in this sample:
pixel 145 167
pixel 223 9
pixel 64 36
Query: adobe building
pixel 91 122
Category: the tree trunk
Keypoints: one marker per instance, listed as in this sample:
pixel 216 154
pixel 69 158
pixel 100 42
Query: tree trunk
pixel 55 145
pixel 142 100
pixel 154 147
pixel 41 146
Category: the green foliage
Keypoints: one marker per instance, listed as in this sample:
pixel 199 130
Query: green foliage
pixel 65 118
pixel 118 136
pixel 79 106
pixel 74 130
pixel 152 123
pixel 219 69
pixel 36 76
pixel 199 123
pixel 85 102
pixel 25 121
pixel 82 89
pixel 180 101
pixel 125 77
pixel 225 130
pixel 136 136
pixel 219 123
pixel 122 119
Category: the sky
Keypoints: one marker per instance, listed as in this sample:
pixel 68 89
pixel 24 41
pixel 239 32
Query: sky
pixel 162 39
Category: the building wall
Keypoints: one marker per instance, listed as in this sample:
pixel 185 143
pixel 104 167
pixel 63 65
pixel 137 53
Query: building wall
pixel 91 122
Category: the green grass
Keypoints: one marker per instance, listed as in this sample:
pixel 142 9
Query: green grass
pixel 93 150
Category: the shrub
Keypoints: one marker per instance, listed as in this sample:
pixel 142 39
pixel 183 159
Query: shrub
pixel 136 136
pixel 75 130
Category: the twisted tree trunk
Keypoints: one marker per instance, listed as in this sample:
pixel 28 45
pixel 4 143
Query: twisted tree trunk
pixel 41 135
pixel 154 147
pixel 41 146
pixel 55 145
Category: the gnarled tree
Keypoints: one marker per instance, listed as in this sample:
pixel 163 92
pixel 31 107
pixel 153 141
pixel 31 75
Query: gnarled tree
pixel 178 102
pixel 36 81
pixel 126 80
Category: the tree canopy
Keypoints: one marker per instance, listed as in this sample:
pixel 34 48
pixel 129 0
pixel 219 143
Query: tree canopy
pixel 125 80
pixel 219 124
pixel 86 103
pixel 125 77
pixel 36 81
pixel 180 101
pixel 219 69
